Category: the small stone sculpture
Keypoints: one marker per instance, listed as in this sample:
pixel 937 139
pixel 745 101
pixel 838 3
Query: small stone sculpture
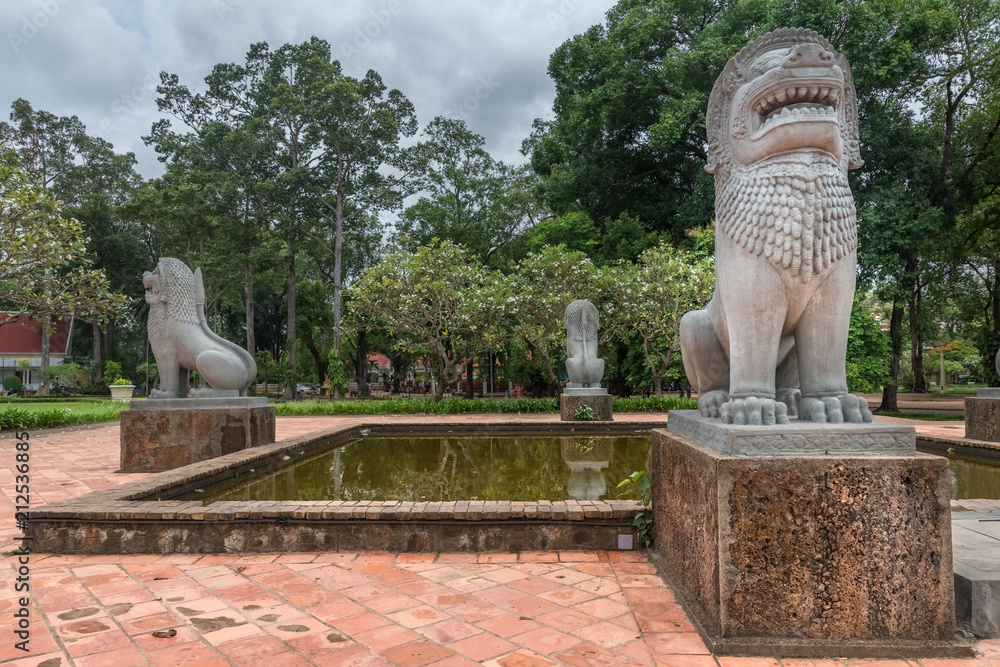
pixel 584 367
pixel 782 126
pixel 181 340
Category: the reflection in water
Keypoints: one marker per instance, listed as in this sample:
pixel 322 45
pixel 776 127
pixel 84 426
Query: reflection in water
pixel 517 468
pixel 972 477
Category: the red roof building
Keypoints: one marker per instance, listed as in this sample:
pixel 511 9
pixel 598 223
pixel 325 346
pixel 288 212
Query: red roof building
pixel 22 339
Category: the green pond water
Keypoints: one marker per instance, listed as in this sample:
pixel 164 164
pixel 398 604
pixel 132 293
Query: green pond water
pixel 527 467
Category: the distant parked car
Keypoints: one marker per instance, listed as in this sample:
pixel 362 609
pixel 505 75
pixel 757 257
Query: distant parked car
pixel 305 389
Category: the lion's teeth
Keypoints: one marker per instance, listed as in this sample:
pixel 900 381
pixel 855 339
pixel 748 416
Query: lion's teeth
pixel 801 92
pixel 823 92
pixel 834 96
pixel 770 100
pixel 780 95
pixel 813 91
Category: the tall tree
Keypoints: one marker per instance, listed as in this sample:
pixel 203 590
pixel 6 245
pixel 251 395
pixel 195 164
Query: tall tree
pixel 330 138
pixel 468 197
pixel 92 183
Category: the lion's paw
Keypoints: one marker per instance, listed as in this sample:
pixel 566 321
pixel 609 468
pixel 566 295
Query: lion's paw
pixel 835 409
pixel 754 411
pixel 156 393
pixel 710 402
pixel 791 398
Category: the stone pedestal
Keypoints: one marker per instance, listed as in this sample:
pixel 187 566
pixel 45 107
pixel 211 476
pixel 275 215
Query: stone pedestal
pixel 598 399
pixel 982 415
pixel 794 555
pixel 168 433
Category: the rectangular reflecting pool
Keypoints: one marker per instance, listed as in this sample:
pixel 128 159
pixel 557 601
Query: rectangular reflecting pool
pixel 525 467
pixel 439 468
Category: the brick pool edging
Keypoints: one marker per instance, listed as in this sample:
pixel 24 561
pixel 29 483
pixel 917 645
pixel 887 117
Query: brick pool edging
pixel 132 517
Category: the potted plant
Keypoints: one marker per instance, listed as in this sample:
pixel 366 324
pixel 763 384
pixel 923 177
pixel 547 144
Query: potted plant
pixel 121 389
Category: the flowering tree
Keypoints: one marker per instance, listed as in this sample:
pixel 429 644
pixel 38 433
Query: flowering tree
pixel 44 270
pixel 545 283
pixel 649 299
pixel 435 298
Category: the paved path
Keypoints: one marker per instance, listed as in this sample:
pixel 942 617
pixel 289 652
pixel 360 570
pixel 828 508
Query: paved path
pixel 506 610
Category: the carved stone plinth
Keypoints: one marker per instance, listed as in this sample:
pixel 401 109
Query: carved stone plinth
pixel 807 556
pixel 600 403
pixel 169 433
pixel 982 415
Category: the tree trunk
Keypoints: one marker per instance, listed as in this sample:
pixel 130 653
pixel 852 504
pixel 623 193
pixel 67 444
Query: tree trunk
pixel 916 339
pixel 317 359
pixel 397 373
pixel 439 387
pixel 290 341
pixel 43 375
pixel 896 338
pixel 98 364
pixel 470 392
pixel 338 280
pixel 248 299
pixel 361 367
pixel 107 340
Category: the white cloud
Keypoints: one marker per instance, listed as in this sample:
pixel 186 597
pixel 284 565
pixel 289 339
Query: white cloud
pixel 97 58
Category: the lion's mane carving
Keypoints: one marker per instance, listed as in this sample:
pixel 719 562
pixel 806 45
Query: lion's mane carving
pixel 782 127
pixel 181 340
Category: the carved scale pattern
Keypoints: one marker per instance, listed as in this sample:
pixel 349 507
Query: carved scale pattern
pixel 581 321
pixel 800 218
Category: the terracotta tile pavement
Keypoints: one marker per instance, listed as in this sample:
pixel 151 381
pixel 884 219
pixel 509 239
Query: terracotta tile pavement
pixel 501 610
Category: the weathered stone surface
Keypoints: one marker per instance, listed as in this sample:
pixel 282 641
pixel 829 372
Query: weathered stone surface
pixel 600 404
pixel 808 555
pixel 982 418
pixel 154 439
pixel 801 437
pixel 181 340
pixel 201 403
pixel 268 536
pixel 782 126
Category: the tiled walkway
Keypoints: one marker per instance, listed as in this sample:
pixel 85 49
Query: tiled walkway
pixel 510 610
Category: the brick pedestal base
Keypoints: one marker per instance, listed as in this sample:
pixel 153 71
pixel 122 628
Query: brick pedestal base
pixel 807 556
pixel 982 418
pixel 600 404
pixel 155 438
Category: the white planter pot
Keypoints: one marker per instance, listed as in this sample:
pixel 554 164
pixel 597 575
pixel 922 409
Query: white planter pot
pixel 121 392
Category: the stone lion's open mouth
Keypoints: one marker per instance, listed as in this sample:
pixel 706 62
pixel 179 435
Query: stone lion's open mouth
pixel 801 101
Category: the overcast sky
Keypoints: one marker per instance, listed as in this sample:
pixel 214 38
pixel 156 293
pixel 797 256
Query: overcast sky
pixel 481 61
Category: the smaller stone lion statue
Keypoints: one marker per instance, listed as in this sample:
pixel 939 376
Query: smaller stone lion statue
pixel 181 340
pixel 584 367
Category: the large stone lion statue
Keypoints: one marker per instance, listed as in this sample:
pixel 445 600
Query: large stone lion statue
pixel 181 340
pixel 782 126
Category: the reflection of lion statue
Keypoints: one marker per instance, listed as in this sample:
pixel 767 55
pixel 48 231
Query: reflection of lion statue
pixel 181 340
pixel 782 132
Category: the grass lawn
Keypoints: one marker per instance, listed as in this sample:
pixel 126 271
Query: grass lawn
pixel 26 414
pixel 930 417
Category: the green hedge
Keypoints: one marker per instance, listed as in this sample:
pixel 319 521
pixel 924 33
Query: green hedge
pixel 417 406
pixel 654 404
pixel 12 418
pixel 455 406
